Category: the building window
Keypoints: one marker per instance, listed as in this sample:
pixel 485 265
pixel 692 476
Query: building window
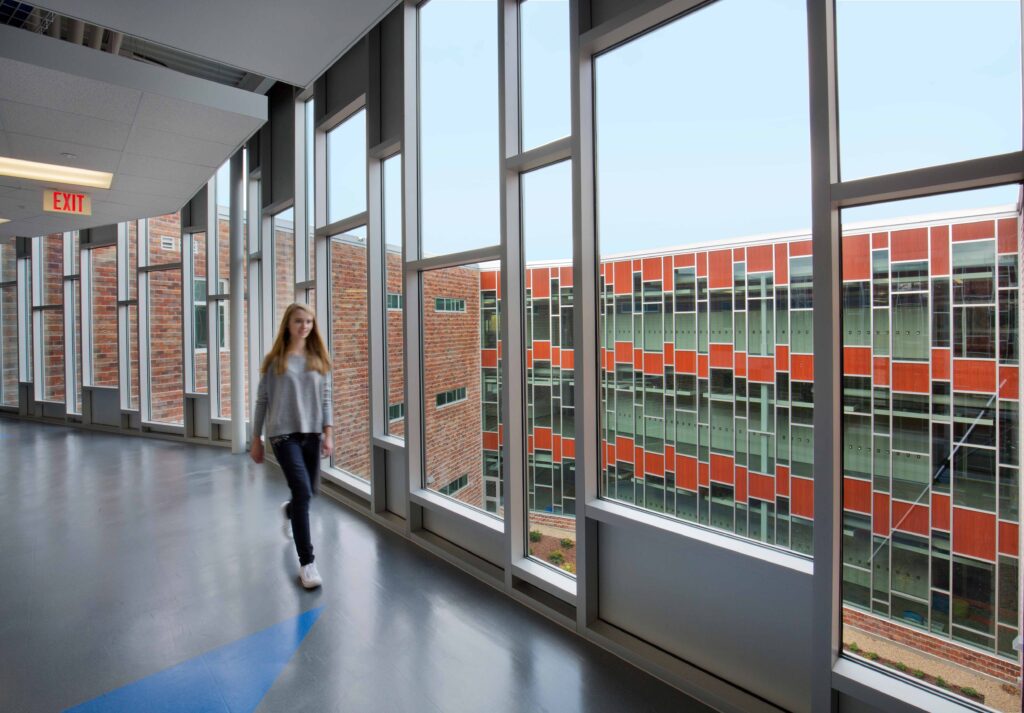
pixel 449 304
pixel 451 396
pixel 455 486
pixel 395 300
pixel 396 412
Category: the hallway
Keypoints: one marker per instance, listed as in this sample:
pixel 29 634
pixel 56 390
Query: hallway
pixel 123 557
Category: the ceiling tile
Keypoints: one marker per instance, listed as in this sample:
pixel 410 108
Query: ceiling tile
pixel 30 84
pixel 63 126
pixel 161 144
pixel 133 164
pixel 185 118
pixel 37 148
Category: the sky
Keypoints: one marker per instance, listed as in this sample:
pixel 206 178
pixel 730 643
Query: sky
pixel 702 125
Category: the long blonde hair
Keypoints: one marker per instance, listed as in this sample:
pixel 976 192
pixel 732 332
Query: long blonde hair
pixel 317 356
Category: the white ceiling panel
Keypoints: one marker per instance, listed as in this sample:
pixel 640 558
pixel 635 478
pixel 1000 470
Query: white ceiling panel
pixel 160 144
pixel 162 134
pixel 37 148
pixel 43 87
pixel 187 119
pixel 33 120
pixel 293 41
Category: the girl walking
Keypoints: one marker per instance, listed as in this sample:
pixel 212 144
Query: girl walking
pixel 294 401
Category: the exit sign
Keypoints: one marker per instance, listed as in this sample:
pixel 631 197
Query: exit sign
pixel 64 202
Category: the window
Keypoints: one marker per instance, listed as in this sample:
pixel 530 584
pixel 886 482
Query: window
pixel 458 125
pixel 394 346
pixel 283 227
pixel 8 324
pixel 198 358
pixel 396 412
pixel 103 316
pixel 349 330
pixel 346 168
pixel 890 56
pixel 939 481
pixel 544 50
pixel 451 396
pixel 454 486
pixel 461 385
pixel 449 304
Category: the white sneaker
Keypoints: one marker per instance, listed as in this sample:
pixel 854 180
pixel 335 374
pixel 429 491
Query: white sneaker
pixel 286 528
pixel 309 576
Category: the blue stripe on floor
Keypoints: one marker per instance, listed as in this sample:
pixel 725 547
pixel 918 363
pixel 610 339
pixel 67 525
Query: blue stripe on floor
pixel 231 679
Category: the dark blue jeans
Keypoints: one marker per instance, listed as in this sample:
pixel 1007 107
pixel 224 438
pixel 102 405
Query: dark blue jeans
pixel 298 454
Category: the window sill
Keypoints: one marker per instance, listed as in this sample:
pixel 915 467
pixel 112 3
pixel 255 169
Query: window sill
pixel 543 577
pixel 613 513
pixel 889 692
pixel 391 443
pixel 435 501
pixel 351 483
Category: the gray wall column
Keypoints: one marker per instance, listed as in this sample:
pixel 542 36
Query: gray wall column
pixel 238 413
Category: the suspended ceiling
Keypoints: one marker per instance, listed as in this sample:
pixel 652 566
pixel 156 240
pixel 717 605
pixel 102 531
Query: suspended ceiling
pixel 161 133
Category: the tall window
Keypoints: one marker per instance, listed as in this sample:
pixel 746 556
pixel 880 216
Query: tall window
pixel 394 339
pixel 458 122
pixel 931 436
pixel 198 359
pixel 544 84
pixel 349 330
pixel 8 324
pixel 162 320
pixel 698 365
pixel 550 388
pixel 48 316
pixel 283 235
pixel 346 168
pixel 103 316
pixel 461 387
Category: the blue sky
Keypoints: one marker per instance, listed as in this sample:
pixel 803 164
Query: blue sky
pixel 702 125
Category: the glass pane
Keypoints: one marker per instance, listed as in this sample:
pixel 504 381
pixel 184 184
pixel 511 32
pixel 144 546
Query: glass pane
pixel 346 168
pixel 52 269
pixel 394 296
pixel 8 343
pixel 200 316
pixel 544 37
pixel 104 317
pixel 52 344
pixel 223 234
pixel 666 171
pixel 550 387
pixel 284 264
pixel 349 349
pixel 891 58
pixel 459 156
pixel 133 356
pixel 310 193
pixel 221 313
pixel 707 400
pixel 462 385
pixel 8 261
pixel 164 244
pixel 939 483
pixel 165 353
pixel 74 404
pixel 133 260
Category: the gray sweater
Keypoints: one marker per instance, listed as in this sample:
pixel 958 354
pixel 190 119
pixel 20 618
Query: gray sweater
pixel 297 401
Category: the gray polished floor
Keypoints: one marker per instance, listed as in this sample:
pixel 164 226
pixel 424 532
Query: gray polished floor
pixel 122 557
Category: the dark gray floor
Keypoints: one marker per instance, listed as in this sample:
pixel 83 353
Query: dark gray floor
pixel 122 556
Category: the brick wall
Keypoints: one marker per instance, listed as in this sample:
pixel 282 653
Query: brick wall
pixel 350 352
pixel 104 316
pixel 395 341
pixel 451 356
pixel 165 320
pixel 943 648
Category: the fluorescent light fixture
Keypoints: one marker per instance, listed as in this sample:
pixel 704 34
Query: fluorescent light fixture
pixel 4 220
pixel 53 173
